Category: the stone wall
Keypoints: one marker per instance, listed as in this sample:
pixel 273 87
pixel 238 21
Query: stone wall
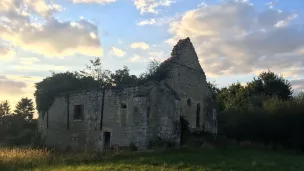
pixel 188 79
pixel 164 114
pixel 133 115
pixel 65 132
pixel 125 117
pixel 128 115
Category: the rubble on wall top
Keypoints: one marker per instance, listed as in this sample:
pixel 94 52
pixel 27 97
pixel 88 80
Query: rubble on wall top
pixel 181 44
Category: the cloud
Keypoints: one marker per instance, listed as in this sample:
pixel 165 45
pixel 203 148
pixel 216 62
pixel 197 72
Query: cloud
pixel 159 21
pixel 10 87
pixel 28 61
pixel 23 8
pixel 117 52
pixel 146 22
pixel 137 58
pixel 139 45
pixel 151 6
pixel 40 67
pixel 233 37
pixel 298 85
pixel 94 1
pixel 157 55
pixel 52 37
pixel 19 86
pixel 6 53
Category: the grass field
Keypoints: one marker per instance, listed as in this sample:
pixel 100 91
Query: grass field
pixel 205 159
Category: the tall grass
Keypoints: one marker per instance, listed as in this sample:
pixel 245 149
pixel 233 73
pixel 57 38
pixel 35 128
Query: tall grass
pixel 237 159
pixel 13 158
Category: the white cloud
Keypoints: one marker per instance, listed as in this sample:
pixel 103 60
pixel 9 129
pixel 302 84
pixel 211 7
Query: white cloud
pixel 139 45
pixel 146 22
pixel 137 58
pixel 157 55
pixel 151 6
pixel 117 52
pixel 286 22
pixel 28 61
pixel 159 21
pixel 94 1
pixel 53 38
pixel 234 37
pixel 22 8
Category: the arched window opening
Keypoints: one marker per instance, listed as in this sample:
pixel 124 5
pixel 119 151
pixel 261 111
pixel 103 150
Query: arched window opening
pixel 123 105
pixel 123 114
pixel 189 102
pixel 198 118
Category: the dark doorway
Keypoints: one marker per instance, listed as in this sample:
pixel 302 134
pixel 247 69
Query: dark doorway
pixel 198 118
pixel 106 139
pixel 184 130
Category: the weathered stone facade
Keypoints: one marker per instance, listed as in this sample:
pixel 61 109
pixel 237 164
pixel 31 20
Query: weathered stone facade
pixel 133 115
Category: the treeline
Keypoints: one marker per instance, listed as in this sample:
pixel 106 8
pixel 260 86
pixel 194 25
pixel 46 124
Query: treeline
pixel 262 111
pixel 17 127
pixel 92 77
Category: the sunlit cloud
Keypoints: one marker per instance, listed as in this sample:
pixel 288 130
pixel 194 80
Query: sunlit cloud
pixel 117 52
pixel 52 37
pixel 151 6
pixel 139 45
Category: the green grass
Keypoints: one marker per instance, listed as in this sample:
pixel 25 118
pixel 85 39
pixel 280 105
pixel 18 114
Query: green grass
pixel 205 159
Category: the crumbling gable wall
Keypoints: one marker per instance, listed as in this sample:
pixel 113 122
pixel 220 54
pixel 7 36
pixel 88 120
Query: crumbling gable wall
pixel 187 77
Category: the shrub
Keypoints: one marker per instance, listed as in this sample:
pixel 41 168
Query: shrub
pixel 133 147
pixel 24 138
pixel 277 122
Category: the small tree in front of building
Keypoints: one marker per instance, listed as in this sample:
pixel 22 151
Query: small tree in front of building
pixel 25 109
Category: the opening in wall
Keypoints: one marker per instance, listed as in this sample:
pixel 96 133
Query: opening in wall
pixel 107 139
pixel 189 102
pixel 198 111
pixel 123 105
pixel 78 112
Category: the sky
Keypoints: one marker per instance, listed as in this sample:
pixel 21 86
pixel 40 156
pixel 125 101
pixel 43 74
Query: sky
pixel 235 40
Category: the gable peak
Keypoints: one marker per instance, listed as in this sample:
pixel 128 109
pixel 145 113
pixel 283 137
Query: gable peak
pixel 180 46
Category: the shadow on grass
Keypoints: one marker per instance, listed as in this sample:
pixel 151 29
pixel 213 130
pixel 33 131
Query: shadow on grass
pixel 181 159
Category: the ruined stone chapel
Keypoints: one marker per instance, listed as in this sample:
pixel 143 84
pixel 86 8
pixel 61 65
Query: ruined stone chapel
pixel 98 119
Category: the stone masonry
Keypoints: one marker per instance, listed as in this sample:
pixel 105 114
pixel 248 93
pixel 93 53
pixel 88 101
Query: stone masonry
pixel 96 119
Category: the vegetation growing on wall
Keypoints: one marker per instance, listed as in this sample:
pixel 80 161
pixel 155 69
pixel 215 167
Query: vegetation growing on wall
pixel 93 77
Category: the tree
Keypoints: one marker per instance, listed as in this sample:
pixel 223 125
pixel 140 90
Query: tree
pixel 233 97
pixel 25 108
pixel 213 90
pixel 156 71
pixel 153 67
pixel 58 83
pixel 300 98
pixel 96 71
pixel 270 85
pixel 123 78
pixel 5 108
